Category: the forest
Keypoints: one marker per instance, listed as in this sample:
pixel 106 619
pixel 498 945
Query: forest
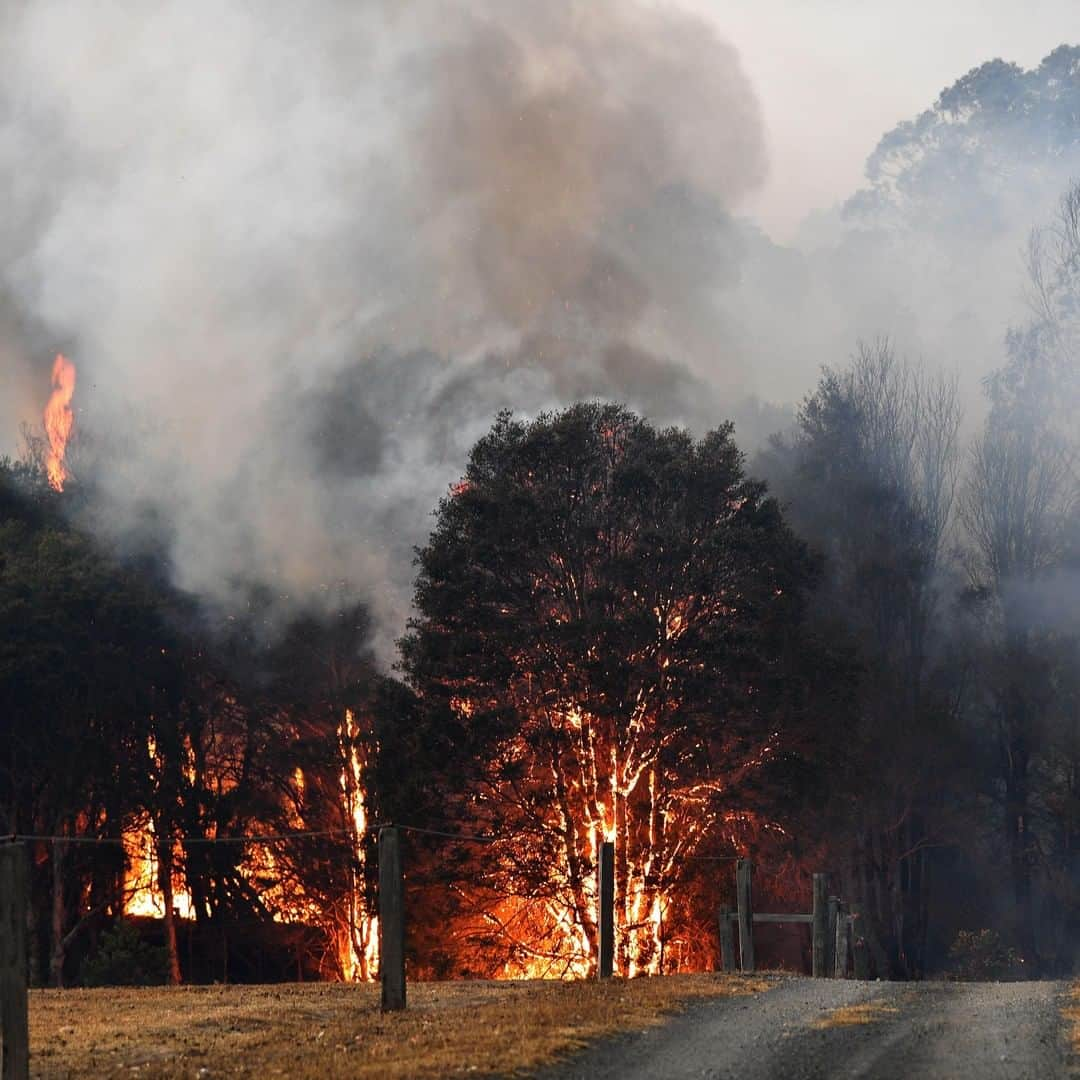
pixel 851 647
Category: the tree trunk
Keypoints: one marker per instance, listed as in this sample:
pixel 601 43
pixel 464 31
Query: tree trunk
pixel 573 860
pixel 1016 822
pixel 165 875
pixel 913 869
pixel 877 877
pixel 33 932
pixel 625 943
pixel 58 952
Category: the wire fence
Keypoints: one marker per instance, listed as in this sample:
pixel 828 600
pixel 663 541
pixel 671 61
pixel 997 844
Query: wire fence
pixel 257 838
pixel 304 834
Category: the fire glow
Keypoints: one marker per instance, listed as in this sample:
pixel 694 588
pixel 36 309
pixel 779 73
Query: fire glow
pixel 359 952
pixel 271 870
pixel 608 785
pixel 59 420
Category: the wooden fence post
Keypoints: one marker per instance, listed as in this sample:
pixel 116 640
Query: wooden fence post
pixel 727 941
pixel 743 869
pixel 14 1025
pixel 819 926
pixel 860 958
pixel 843 943
pixel 833 910
pixel 607 910
pixel 391 919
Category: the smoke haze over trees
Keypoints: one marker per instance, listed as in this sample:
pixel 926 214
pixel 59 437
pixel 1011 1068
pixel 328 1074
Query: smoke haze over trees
pixel 245 209
pixel 254 232
pixel 303 262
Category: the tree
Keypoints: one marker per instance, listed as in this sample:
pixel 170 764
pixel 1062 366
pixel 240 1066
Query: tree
pixel 1021 510
pixel 608 621
pixel 321 692
pixel 82 671
pixel 264 748
pixel 130 715
pixel 869 478
pixel 997 133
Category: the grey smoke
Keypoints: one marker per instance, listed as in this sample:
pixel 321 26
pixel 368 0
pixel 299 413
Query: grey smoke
pixel 1050 603
pixel 302 254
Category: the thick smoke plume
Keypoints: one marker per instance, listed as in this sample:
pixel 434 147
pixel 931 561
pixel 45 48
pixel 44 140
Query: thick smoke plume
pixel 303 253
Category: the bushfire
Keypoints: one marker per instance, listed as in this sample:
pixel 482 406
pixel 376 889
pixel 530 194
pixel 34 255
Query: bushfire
pixel 617 738
pixel 271 866
pixel 605 782
pixel 603 609
pixel 155 853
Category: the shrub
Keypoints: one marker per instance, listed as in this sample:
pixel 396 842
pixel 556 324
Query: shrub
pixel 980 956
pixel 124 959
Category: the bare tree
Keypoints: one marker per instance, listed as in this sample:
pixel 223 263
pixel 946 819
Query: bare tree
pixel 872 483
pixel 1018 508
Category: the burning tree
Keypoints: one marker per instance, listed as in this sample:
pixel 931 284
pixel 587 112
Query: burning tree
pixel 220 770
pixel 268 753
pixel 607 619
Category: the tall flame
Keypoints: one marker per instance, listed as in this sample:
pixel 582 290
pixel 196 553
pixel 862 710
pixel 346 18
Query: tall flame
pixel 271 872
pixel 59 419
pixel 360 952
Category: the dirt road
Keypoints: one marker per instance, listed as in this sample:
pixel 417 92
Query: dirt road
pixel 808 1028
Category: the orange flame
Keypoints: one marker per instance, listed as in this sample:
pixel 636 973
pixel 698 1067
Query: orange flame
pixel 59 419
pixel 143 894
pixel 273 874
pixel 360 951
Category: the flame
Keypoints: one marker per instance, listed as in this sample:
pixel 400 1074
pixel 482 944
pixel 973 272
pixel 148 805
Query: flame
pixel 604 779
pixel 272 868
pixel 359 949
pixel 59 419
pixel 142 886
pixel 143 895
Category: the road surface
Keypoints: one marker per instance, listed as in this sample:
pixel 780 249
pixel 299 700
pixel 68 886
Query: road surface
pixel 804 1029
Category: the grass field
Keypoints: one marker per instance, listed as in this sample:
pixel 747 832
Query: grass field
pixel 334 1030
pixel 1070 1010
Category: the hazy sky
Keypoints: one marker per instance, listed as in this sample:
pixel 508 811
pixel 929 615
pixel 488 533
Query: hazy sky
pixel 834 75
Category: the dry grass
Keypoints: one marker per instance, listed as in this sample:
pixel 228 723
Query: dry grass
pixel 1070 1011
pixel 334 1030
pixel 868 1012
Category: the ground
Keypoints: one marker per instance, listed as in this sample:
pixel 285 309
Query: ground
pixel 727 1027
pixel 333 1030
pixel 807 1029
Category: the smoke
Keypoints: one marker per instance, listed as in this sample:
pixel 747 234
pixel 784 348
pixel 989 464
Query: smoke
pixel 932 251
pixel 1047 604
pixel 302 254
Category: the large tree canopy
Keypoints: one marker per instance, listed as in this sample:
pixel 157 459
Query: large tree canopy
pixel 997 131
pixel 607 619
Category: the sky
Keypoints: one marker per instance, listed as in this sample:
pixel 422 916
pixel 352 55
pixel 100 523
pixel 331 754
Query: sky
pixel 834 75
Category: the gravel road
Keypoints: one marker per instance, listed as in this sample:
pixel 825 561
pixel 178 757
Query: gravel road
pixel 962 1031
